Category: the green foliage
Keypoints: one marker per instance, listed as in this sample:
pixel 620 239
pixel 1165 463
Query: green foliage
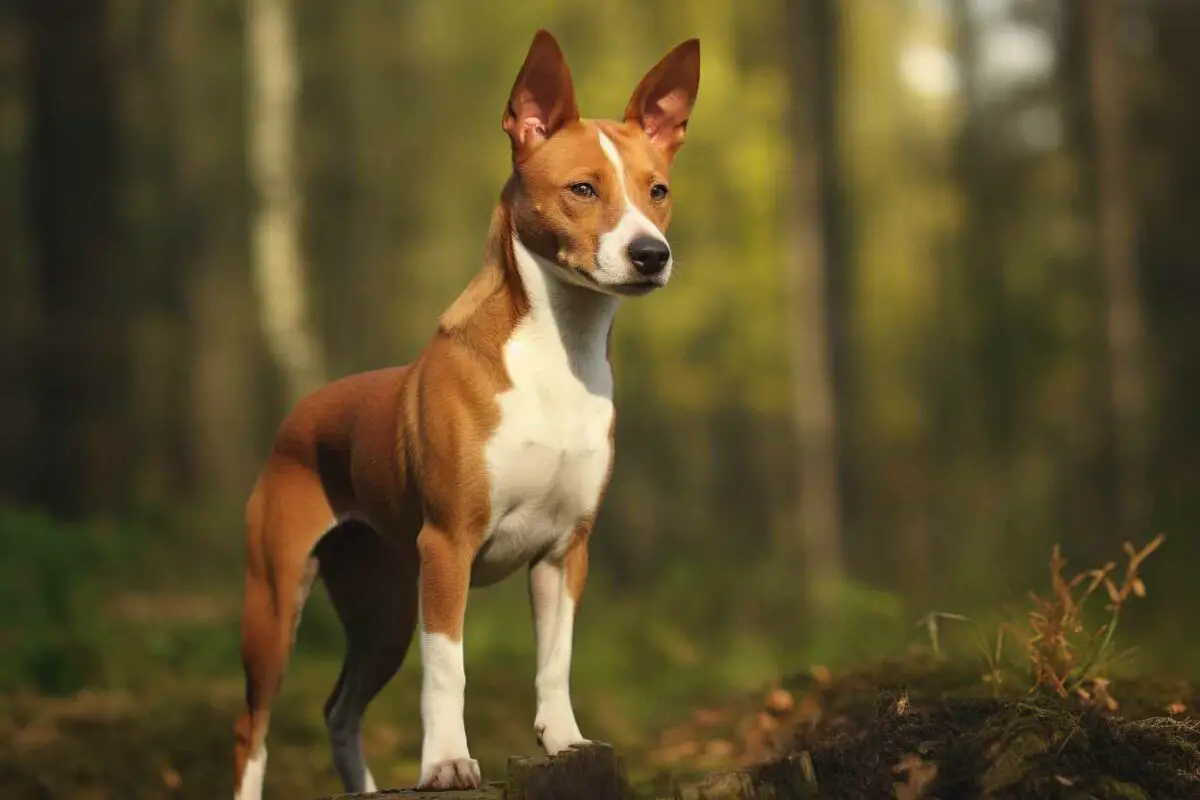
pixel 966 311
pixel 969 337
pixel 74 610
pixel 53 580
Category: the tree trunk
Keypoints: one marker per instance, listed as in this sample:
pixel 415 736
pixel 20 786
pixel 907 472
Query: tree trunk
pixel 227 406
pixel 811 47
pixel 1118 263
pixel 277 259
pixel 80 458
pixel 18 298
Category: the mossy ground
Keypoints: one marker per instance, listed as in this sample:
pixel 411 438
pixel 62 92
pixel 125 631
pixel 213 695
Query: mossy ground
pixel 905 730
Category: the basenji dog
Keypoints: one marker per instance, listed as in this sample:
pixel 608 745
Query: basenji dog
pixel 404 487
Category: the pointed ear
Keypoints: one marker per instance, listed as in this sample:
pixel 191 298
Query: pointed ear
pixel 542 98
pixel 663 101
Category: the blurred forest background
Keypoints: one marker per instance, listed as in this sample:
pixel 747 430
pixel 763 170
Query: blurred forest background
pixel 937 310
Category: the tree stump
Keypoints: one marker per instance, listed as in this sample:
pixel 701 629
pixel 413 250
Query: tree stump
pixel 587 772
pixel 593 771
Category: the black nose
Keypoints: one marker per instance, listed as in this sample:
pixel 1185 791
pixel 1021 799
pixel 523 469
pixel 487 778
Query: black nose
pixel 649 254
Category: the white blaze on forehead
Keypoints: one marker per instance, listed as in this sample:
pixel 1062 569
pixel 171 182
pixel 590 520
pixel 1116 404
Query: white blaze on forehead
pixel 631 209
pixel 612 258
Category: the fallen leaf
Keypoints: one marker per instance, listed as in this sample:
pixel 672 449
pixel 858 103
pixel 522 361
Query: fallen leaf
pixel 171 779
pixel 766 722
pixel 919 774
pixel 780 701
pixel 719 748
pixel 1103 696
pixel 710 716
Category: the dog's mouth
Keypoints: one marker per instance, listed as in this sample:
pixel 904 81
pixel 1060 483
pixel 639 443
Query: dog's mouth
pixel 635 288
pixel 629 288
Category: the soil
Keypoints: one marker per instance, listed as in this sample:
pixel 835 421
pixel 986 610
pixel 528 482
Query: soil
pixel 909 731
pixel 897 730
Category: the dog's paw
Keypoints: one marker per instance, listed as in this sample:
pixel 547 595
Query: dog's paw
pixel 554 738
pixel 453 773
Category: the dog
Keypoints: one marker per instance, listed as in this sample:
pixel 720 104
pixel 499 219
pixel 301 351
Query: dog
pixel 403 487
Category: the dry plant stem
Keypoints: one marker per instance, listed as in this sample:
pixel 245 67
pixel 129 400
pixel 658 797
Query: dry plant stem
pixel 1062 655
pixel 1056 619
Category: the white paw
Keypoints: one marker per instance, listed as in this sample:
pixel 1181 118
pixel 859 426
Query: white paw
pixel 453 773
pixel 556 731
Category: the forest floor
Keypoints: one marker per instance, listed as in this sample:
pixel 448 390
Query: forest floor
pixel 1047 712
pixel 919 729
pixel 905 729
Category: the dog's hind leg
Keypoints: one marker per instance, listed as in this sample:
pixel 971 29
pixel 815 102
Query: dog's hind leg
pixel 286 516
pixel 373 586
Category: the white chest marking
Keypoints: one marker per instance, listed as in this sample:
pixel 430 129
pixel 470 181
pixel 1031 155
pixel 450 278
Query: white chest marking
pixel 549 456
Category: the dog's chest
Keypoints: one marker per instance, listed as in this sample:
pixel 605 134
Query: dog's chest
pixel 549 456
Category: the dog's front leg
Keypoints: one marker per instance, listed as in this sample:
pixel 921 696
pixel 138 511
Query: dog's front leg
pixel 444 581
pixel 555 585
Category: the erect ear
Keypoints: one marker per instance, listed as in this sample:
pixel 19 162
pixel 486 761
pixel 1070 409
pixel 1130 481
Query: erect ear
pixel 543 96
pixel 662 102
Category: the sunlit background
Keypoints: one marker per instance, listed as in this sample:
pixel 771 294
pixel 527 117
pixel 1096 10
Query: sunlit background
pixel 935 310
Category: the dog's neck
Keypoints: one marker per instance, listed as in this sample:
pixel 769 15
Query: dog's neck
pixel 563 316
pixel 518 291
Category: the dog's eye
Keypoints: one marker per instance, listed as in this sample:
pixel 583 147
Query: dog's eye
pixel 583 189
pixel 659 192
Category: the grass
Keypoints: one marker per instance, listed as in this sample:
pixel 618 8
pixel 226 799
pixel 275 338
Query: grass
pixel 933 726
pixel 1060 650
pixel 125 681
pixel 124 675
pixel 139 666
pixel 161 712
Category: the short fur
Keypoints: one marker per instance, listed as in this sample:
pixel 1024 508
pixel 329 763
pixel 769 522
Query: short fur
pixel 404 486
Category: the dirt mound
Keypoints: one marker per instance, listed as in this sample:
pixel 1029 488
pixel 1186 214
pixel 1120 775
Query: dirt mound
pixel 913 731
pixel 1037 748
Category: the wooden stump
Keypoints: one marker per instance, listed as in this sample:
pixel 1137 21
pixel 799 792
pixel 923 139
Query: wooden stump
pixel 593 771
pixel 587 772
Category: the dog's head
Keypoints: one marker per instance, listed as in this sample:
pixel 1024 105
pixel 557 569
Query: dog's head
pixel 592 198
